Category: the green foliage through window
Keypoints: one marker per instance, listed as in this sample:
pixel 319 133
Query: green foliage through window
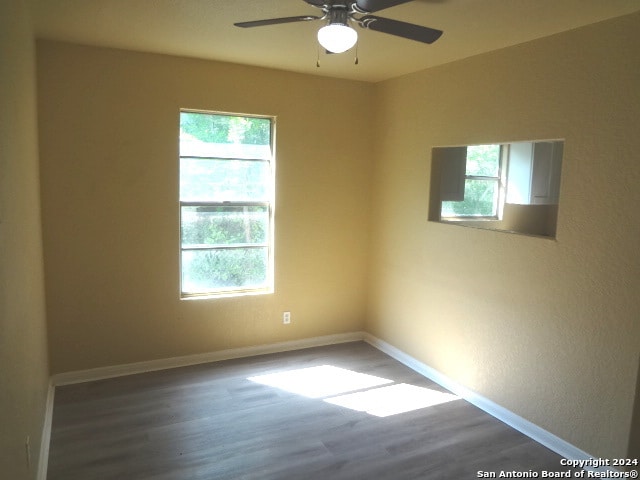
pixel 229 129
pixel 226 190
pixel 481 185
pixel 224 225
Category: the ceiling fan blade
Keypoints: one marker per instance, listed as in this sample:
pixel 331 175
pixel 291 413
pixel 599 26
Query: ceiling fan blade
pixel 316 3
pixel 276 21
pixel 371 6
pixel 400 29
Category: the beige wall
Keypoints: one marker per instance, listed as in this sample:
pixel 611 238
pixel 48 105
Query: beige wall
pixel 23 351
pixel 549 329
pixel 546 328
pixel 109 142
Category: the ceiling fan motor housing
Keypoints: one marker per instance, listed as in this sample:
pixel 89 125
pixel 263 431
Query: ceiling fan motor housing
pixel 339 15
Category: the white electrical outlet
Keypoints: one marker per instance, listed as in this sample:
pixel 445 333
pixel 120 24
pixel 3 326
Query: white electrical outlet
pixel 286 318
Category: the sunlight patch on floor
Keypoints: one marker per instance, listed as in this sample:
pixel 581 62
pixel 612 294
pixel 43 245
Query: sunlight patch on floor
pixel 319 382
pixel 356 391
pixel 392 399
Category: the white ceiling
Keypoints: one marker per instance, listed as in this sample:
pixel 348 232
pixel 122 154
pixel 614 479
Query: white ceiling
pixel 204 29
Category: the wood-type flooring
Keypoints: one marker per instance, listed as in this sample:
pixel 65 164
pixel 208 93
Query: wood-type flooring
pixel 226 421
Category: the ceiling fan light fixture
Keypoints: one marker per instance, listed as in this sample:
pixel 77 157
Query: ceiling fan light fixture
pixel 337 37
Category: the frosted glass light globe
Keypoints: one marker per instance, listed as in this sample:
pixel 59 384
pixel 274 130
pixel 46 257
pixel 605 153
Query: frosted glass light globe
pixel 337 38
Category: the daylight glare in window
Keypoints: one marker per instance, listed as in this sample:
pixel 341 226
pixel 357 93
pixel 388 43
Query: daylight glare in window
pixel 226 204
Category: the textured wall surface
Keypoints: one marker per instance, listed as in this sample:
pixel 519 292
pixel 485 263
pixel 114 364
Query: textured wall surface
pixel 109 159
pixel 549 329
pixel 23 351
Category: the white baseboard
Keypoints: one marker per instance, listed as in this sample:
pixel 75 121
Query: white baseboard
pixel 45 439
pixel 81 376
pixel 549 440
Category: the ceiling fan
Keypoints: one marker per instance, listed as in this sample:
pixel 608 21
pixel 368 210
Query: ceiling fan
pixel 338 36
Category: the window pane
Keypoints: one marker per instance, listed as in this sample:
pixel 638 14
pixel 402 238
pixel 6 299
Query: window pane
pixel 483 160
pixel 226 193
pixel 209 270
pixel 224 136
pixel 224 225
pixel 480 199
pixel 223 180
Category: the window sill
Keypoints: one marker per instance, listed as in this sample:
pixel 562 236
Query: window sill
pixel 469 219
pixel 225 294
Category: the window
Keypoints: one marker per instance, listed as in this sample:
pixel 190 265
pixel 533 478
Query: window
pixel 226 204
pixel 481 194
pixel 511 187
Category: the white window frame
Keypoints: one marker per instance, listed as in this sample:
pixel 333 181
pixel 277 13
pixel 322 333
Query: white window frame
pixel 500 181
pixel 268 287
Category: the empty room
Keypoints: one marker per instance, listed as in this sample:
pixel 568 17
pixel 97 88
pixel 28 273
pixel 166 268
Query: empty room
pixel 232 249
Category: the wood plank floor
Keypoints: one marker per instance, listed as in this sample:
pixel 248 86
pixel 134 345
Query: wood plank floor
pixel 211 422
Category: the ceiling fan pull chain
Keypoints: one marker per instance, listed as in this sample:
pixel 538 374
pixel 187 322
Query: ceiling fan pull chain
pixel 317 55
pixel 356 62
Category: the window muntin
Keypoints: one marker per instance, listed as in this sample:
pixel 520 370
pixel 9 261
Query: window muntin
pixel 483 195
pixel 226 204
